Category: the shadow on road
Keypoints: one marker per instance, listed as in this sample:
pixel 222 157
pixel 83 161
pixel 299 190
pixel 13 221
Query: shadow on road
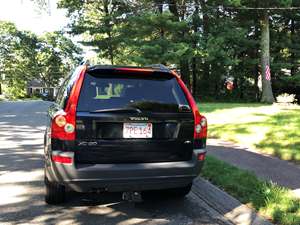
pixel 22 126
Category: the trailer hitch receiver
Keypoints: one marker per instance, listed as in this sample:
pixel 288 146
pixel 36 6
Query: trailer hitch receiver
pixel 132 196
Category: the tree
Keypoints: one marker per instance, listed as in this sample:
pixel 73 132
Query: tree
pixel 98 21
pixel 25 56
pixel 17 63
pixel 56 56
pixel 285 51
pixel 152 39
pixel 207 40
pixel 7 43
pixel 267 93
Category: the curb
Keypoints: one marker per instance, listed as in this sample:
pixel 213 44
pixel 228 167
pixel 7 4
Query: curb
pixel 226 205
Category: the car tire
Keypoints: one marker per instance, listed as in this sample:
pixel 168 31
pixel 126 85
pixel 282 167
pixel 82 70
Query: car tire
pixel 55 193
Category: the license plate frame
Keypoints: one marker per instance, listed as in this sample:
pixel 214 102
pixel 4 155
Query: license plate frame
pixel 137 130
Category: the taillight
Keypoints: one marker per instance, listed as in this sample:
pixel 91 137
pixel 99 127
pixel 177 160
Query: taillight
pixel 201 156
pixel 69 128
pixel 200 129
pixel 62 157
pixel 200 122
pixel 63 127
pixel 63 124
pixel 60 120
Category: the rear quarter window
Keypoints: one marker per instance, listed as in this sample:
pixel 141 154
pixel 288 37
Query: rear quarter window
pixel 65 89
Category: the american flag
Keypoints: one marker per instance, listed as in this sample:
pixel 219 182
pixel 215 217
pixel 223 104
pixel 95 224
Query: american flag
pixel 268 73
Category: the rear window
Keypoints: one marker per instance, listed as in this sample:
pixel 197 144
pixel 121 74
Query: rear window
pixel 156 94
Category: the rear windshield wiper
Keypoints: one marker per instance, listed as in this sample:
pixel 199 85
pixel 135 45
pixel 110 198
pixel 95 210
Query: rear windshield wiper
pixel 184 108
pixel 123 110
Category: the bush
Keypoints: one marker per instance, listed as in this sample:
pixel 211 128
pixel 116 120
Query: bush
pixel 16 90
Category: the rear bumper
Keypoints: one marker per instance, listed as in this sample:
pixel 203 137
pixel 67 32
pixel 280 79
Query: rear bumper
pixel 125 177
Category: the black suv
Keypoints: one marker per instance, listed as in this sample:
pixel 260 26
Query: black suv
pixel 123 129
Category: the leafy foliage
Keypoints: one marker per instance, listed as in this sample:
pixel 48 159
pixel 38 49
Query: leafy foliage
pixel 207 40
pixel 25 56
pixel 153 39
pixel 56 55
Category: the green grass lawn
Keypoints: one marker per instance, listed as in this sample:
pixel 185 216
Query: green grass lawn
pixel 271 129
pixel 271 201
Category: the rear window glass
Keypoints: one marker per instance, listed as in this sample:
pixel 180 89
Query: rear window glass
pixel 141 91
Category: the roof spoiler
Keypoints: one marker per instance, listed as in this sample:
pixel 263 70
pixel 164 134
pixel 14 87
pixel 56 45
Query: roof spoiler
pixel 160 67
pixel 85 62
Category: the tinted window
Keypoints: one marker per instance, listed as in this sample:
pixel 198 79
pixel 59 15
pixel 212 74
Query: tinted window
pixel 142 92
pixel 65 89
pixel 61 93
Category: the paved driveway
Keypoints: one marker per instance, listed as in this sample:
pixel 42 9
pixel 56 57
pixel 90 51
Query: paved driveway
pixel 21 184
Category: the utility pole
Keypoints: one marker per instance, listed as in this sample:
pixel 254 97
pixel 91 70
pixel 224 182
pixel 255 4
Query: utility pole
pixel 267 93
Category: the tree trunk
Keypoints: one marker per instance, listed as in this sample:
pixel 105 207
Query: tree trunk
pixel 267 93
pixel 107 24
pixel 159 4
pixel 194 75
pixel 293 57
pixel 173 8
pixel 196 25
pixel 111 50
pixel 205 66
pixel 256 68
pixel 185 72
pixel 257 91
pixel 184 63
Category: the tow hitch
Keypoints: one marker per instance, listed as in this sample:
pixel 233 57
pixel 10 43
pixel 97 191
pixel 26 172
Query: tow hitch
pixel 132 196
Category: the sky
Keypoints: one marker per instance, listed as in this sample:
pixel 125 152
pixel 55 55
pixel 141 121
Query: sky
pixel 26 16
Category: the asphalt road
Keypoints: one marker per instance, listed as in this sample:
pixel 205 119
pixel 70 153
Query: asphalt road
pixel 22 126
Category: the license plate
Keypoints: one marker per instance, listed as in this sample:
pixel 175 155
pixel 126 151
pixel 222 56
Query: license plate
pixel 137 130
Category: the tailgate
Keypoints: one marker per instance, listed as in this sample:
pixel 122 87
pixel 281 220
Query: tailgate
pixel 108 100
pixel 100 138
